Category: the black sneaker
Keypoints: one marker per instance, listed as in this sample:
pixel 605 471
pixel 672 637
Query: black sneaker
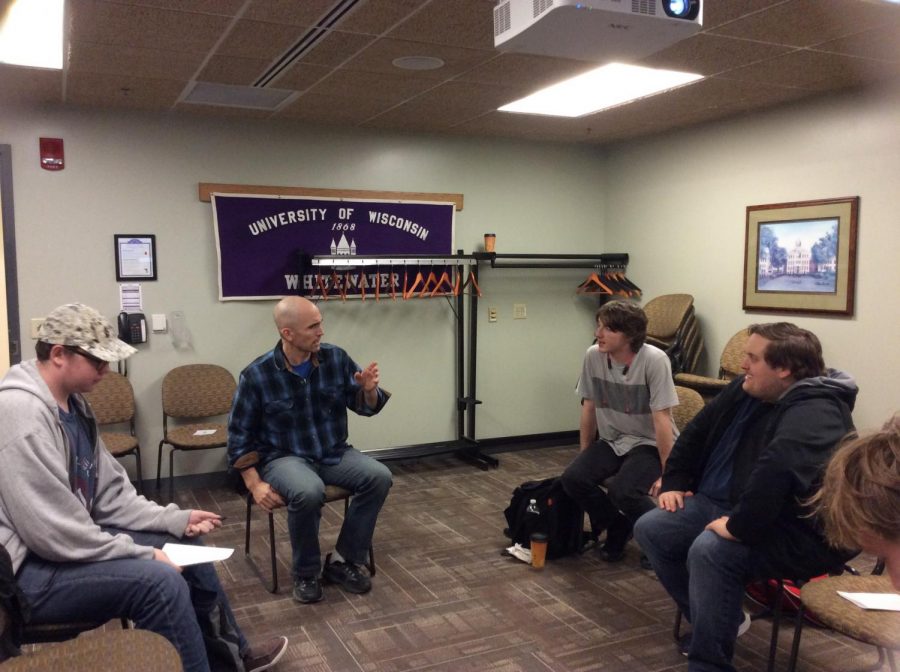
pixel 265 655
pixel 347 575
pixel 684 644
pixel 645 562
pixel 307 589
pixel 617 535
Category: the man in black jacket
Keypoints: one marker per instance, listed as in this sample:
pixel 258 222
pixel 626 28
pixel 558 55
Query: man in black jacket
pixel 730 503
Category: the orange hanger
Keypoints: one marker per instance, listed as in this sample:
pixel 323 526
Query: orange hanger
pixel 345 285
pixel 409 291
pixel 377 284
pixel 593 285
pixel 430 281
pixel 362 283
pixel 320 282
pixel 472 281
pixel 443 280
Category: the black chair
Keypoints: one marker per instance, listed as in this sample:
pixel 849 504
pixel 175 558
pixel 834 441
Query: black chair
pixel 775 611
pixel 16 626
pixel 332 494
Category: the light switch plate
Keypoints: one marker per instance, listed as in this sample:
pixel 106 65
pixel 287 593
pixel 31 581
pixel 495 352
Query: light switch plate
pixel 159 322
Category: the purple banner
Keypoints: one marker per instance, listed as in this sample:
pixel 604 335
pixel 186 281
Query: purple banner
pixel 262 240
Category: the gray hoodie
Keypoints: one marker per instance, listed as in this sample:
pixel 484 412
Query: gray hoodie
pixel 38 510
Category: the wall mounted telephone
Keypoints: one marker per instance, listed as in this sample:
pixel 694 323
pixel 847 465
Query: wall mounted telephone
pixel 132 327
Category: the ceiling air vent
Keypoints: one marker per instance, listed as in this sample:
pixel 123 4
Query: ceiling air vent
pixel 230 95
pixel 306 42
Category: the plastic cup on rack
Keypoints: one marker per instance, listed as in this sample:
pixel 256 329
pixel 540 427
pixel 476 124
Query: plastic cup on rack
pixel 490 240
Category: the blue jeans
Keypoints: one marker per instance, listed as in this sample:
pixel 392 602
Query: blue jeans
pixel 302 486
pixel 189 609
pixel 704 573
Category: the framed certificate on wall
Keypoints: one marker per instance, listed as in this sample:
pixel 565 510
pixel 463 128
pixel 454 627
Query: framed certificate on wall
pixel 135 256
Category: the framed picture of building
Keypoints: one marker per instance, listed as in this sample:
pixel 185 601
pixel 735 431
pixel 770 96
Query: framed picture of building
pixel 801 257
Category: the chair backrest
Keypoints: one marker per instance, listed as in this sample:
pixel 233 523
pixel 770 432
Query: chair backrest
pixel 197 391
pixel 732 355
pixel 693 344
pixel 112 399
pixel 666 313
pixel 689 404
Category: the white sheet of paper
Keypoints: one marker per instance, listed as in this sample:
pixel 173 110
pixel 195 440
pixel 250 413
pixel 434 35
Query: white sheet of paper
pixel 205 432
pixel 881 601
pixel 185 554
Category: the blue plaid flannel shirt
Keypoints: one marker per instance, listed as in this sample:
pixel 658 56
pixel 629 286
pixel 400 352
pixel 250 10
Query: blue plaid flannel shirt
pixel 277 413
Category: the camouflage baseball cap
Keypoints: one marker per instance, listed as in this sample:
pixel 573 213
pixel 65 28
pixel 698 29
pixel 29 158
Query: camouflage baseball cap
pixel 81 326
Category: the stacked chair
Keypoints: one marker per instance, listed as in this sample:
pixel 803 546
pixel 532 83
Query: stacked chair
pixel 729 369
pixel 672 326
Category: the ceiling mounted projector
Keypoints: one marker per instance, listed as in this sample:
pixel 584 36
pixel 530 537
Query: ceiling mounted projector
pixel 594 30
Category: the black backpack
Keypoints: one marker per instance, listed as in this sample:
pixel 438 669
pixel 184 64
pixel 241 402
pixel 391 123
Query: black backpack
pixel 558 516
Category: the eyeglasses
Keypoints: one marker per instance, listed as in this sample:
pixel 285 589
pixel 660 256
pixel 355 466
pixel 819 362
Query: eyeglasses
pixel 96 362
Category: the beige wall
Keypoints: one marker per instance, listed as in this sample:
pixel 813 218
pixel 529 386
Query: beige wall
pixel 679 202
pixel 130 173
pixel 675 203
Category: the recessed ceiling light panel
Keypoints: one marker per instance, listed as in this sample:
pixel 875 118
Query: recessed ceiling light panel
pixel 599 89
pixel 31 34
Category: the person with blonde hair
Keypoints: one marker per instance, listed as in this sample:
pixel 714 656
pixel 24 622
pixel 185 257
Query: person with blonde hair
pixel 859 501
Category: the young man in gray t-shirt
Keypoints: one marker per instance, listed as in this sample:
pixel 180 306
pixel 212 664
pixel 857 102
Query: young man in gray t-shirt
pixel 627 395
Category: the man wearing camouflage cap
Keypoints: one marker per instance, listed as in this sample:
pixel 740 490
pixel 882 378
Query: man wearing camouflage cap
pixel 85 546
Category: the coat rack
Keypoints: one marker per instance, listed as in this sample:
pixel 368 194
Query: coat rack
pixel 466 446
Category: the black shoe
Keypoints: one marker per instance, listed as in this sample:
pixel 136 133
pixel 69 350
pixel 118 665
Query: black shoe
pixel 308 589
pixel 684 644
pixel 347 575
pixel 617 535
pixel 645 562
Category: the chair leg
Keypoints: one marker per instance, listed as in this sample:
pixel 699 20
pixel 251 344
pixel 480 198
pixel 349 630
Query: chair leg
pixel 676 628
pixel 370 565
pixel 172 474
pixel 140 478
pixel 159 464
pixel 776 622
pixel 272 553
pixel 247 525
pixel 795 645
pixel 273 586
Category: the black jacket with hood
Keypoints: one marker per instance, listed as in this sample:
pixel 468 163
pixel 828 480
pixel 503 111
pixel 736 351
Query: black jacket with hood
pixel 778 464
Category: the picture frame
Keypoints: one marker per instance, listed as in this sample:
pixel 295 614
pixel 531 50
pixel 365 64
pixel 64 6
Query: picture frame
pixel 135 256
pixel 801 257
